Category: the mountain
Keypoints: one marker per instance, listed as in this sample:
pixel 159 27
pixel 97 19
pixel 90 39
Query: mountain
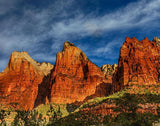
pixel 26 83
pixel 139 64
pixel 75 78
pixel 122 95
pixel 19 81
pixel 108 70
pixel 135 85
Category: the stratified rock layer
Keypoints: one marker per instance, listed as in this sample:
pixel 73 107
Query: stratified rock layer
pixel 139 63
pixel 19 81
pixel 75 77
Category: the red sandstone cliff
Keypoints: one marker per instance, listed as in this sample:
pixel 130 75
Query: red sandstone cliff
pixel 19 81
pixel 75 77
pixel 139 63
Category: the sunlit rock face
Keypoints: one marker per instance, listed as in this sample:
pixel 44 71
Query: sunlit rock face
pixel 75 77
pixel 19 81
pixel 139 63
pixel 108 70
pixel 26 83
pixel 157 41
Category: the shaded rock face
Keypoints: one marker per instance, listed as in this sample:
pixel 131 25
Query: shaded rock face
pixel 74 76
pixel 139 63
pixel 19 81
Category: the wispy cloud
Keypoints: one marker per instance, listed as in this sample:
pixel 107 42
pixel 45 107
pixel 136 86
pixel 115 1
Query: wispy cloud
pixel 134 15
pixel 6 6
pixel 49 58
pixel 109 47
pixel 57 23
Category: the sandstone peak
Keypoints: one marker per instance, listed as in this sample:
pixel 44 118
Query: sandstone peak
pixel 15 56
pixel 70 50
pixel 134 38
pixel 18 58
pixel 45 67
pixel 74 77
pixel 146 39
pixel 67 44
pixel 157 41
pixel 19 82
pixel 127 39
pixel 138 64
pixel 108 70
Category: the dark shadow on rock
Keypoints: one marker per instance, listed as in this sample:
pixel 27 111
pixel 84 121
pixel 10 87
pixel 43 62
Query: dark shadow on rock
pixel 73 106
pixel 102 90
pixel 43 92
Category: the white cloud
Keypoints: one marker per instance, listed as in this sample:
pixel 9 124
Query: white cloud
pixel 109 47
pixel 134 15
pixel 6 6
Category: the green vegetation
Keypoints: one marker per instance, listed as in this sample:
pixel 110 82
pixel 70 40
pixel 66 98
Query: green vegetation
pixel 79 119
pixel 28 118
pixel 42 109
pixel 126 103
pixel 127 106
pixel 99 100
pixel 143 94
pixel 3 115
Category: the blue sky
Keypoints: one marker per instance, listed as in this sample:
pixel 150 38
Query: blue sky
pixel 97 27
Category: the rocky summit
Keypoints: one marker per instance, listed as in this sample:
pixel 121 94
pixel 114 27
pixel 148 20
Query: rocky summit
pixel 139 64
pixel 157 41
pixel 75 77
pixel 26 83
pixel 108 69
pixel 19 81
